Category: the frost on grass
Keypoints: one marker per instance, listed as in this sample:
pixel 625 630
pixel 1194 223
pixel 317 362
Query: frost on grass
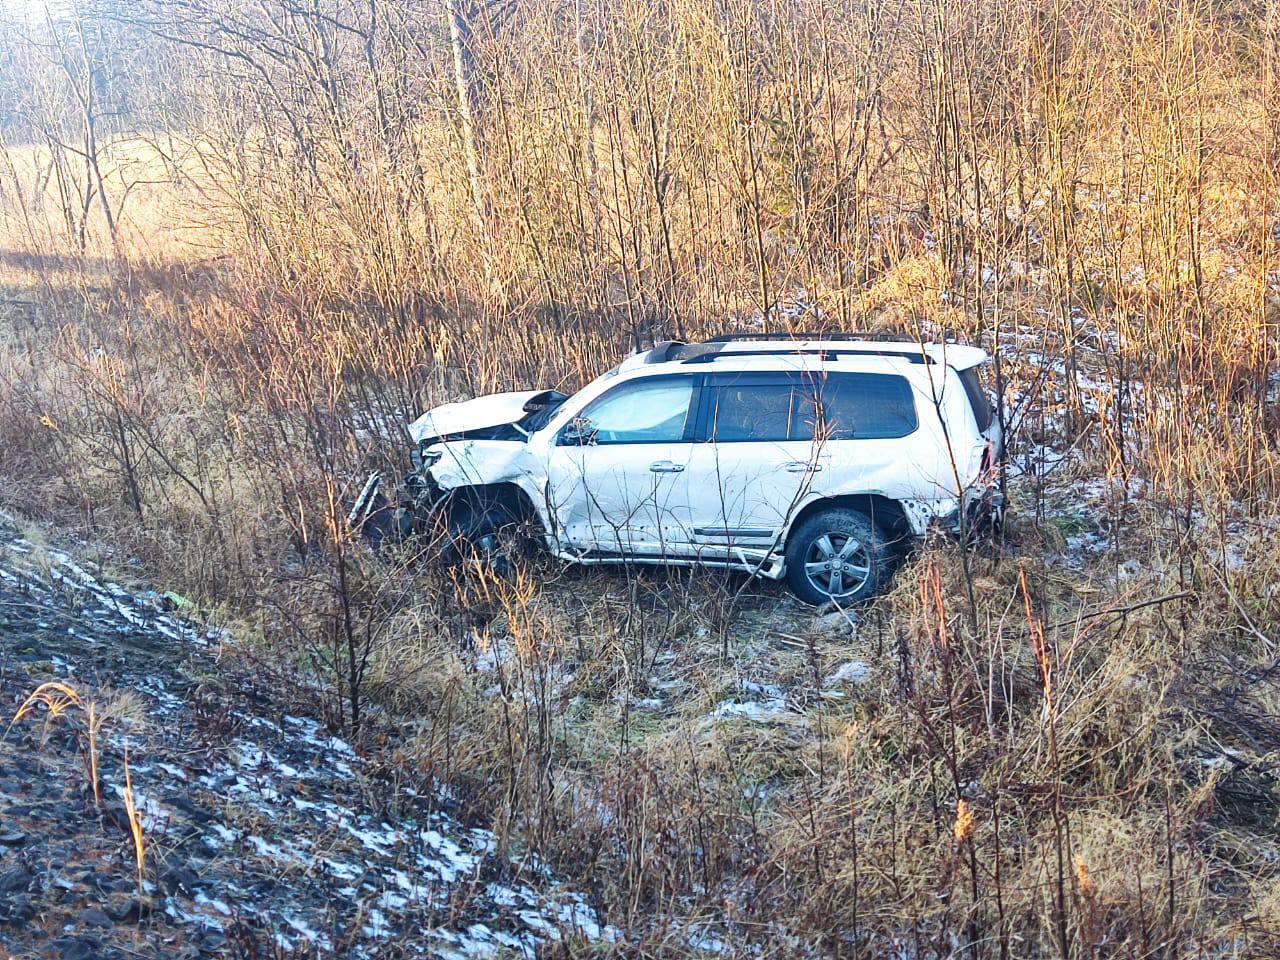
pixel 754 702
pixel 853 672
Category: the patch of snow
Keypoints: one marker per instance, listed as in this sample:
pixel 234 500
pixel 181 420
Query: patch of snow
pixel 758 702
pixel 206 901
pixel 855 671
pixel 308 934
pixel 755 712
pixel 152 817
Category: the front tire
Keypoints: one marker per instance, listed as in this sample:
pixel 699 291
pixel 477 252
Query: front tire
pixel 488 537
pixel 838 555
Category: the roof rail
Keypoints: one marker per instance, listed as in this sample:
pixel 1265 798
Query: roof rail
pixel 881 336
pixel 712 350
pixel 835 336
pixel 789 343
pixel 694 355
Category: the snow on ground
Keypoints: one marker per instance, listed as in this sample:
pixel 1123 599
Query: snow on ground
pixel 270 822
pixel 756 702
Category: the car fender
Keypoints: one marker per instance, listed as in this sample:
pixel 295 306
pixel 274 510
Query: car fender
pixel 904 515
pixel 478 463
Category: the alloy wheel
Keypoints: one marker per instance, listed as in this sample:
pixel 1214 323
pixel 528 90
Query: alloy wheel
pixel 837 564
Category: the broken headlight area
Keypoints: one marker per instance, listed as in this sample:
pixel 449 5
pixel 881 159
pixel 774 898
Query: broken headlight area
pixel 383 515
pixel 423 457
pixel 417 495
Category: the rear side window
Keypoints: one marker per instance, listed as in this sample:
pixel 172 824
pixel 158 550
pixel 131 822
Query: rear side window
pixel 978 400
pixel 800 406
pixel 865 406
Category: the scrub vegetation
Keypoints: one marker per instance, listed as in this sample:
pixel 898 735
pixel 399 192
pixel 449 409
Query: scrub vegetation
pixel 242 246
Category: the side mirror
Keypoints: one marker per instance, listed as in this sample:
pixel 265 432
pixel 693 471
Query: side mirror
pixel 578 432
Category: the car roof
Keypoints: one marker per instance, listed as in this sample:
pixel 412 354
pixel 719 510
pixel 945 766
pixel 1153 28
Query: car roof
pixel 828 348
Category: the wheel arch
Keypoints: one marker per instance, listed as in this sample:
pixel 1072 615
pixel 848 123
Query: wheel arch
pixel 885 512
pixel 505 495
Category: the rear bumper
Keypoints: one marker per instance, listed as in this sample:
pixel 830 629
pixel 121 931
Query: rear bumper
pixel 982 512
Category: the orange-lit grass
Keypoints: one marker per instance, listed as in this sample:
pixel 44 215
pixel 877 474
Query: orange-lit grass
pixel 58 698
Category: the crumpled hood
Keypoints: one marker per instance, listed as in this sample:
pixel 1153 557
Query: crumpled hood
pixel 455 418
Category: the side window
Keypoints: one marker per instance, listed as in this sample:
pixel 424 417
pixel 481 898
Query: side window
pixel 865 406
pixel 655 410
pixel 802 406
pixel 761 407
pixel 751 407
pixel 978 399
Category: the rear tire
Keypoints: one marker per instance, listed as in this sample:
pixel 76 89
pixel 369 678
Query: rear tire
pixel 838 555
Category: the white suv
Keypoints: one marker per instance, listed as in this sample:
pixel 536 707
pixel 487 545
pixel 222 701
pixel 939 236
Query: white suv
pixel 809 459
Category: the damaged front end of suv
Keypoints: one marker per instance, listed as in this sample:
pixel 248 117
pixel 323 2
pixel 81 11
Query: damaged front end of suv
pixel 468 460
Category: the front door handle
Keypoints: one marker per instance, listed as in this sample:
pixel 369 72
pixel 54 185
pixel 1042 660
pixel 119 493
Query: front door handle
pixel 803 466
pixel 665 466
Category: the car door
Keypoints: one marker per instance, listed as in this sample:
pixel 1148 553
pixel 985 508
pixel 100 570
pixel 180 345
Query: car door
pixel 757 458
pixel 616 472
pixel 862 418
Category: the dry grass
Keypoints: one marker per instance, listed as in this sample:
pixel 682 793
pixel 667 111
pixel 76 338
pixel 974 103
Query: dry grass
pixel 58 699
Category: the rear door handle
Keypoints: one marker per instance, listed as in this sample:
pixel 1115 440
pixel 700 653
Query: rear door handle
pixel 666 466
pixel 803 466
